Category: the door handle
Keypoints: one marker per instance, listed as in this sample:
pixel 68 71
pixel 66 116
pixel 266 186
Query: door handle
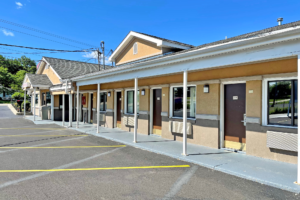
pixel 245 120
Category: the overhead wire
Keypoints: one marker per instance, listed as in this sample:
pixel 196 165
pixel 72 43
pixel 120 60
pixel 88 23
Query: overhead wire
pixel 46 33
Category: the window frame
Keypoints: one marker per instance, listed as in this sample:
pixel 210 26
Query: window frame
pixel 265 98
pixel 171 101
pixel 126 100
pixel 105 103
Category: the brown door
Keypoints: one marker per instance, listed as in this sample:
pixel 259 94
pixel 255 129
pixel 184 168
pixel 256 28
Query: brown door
pixel 234 110
pixel 119 107
pixel 157 111
pixel 92 108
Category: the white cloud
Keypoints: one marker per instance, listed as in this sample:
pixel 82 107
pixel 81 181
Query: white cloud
pixel 94 55
pixel 19 5
pixel 7 33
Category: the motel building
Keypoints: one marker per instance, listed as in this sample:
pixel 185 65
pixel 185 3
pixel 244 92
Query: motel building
pixel 239 93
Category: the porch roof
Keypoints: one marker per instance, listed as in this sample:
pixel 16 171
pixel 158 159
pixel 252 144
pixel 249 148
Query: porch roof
pixel 39 80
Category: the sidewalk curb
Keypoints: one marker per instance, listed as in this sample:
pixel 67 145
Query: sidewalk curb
pixel 276 185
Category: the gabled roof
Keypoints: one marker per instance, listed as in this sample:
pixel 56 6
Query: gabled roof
pixel 39 80
pixel 160 42
pixel 66 69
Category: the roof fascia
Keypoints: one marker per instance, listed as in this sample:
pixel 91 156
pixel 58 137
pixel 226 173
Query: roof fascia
pixel 132 34
pixel 220 49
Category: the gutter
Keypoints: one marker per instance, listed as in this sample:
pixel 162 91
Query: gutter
pixel 209 51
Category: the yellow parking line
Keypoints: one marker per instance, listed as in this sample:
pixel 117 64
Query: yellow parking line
pixel 62 147
pixel 90 169
pixel 43 135
pixel 38 128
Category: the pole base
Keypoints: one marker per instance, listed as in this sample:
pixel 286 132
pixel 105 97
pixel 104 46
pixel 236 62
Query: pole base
pixel 185 154
pixel 134 141
pixel 296 183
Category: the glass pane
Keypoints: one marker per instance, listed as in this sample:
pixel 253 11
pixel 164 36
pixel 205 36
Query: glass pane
pixel 178 102
pixel 296 103
pixel 279 101
pixel 191 102
pixel 48 98
pixel 129 101
pixel 103 101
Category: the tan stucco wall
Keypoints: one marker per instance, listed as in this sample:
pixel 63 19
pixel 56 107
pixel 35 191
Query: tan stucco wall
pixel 52 76
pixel 56 100
pixel 94 100
pixel 272 67
pixel 145 49
pixel 145 100
pixel 89 87
pixel 165 99
pixel 254 100
pixel 257 146
pixel 208 103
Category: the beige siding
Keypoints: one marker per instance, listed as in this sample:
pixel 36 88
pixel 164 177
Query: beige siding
pixel 52 76
pixel 145 49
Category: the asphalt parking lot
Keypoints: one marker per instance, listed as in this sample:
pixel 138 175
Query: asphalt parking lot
pixel 51 162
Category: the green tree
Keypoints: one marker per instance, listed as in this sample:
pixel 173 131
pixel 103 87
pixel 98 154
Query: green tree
pixel 17 84
pixel 6 78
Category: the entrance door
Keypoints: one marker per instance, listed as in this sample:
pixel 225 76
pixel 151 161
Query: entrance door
pixel 119 107
pixel 156 112
pixel 91 113
pixel 234 110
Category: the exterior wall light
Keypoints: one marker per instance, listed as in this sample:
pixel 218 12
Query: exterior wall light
pixel 206 89
pixel 108 94
pixel 143 92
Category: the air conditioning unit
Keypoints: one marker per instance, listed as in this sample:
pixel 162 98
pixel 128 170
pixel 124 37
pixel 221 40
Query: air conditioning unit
pixel 284 141
pixel 102 117
pixel 177 127
pixel 128 120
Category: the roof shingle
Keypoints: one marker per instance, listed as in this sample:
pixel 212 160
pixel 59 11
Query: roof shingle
pixel 39 79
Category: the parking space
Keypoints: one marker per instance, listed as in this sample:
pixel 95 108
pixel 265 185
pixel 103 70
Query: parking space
pixel 52 162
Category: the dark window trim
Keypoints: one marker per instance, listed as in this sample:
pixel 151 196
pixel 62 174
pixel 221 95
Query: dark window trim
pixel 173 96
pixel 292 104
pixel 105 101
pixel 127 102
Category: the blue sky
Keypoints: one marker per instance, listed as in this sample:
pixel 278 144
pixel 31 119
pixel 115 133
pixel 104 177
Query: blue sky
pixel 91 21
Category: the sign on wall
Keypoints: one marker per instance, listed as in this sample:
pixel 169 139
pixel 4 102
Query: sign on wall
pixel 83 100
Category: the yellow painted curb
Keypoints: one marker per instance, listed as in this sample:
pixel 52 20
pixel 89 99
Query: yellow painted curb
pixel 91 169
pixel 62 147
pixel 43 135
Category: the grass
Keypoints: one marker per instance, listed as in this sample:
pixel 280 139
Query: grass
pixel 4 102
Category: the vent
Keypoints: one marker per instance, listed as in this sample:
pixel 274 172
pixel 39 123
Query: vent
pixel 128 120
pixel 135 48
pixel 284 141
pixel 177 127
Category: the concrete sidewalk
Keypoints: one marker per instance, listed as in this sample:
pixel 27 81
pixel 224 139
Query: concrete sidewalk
pixel 277 174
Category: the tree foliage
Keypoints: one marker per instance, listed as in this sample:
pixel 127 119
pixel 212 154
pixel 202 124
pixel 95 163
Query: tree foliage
pixel 12 73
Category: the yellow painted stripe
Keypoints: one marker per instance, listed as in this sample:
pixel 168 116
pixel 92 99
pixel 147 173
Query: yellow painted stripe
pixel 90 169
pixel 62 147
pixel 38 128
pixel 43 135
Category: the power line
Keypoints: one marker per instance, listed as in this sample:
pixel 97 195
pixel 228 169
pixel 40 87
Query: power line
pixel 44 49
pixel 44 32
pixel 39 37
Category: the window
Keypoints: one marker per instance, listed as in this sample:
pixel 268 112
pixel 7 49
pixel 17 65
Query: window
pixel 103 101
pixel 36 99
pixel 43 99
pixel 178 102
pixel 283 103
pixel 130 102
pixel 48 99
pixel 135 48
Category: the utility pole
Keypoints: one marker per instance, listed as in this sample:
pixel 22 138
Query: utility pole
pixel 103 52
pixel 98 52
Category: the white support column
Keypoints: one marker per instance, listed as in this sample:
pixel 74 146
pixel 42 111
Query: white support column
pixel 298 174
pixel 70 110
pixel 34 104
pixel 63 111
pixel 135 109
pixel 184 142
pixel 24 103
pixel 77 115
pixel 98 107
pixel 52 107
